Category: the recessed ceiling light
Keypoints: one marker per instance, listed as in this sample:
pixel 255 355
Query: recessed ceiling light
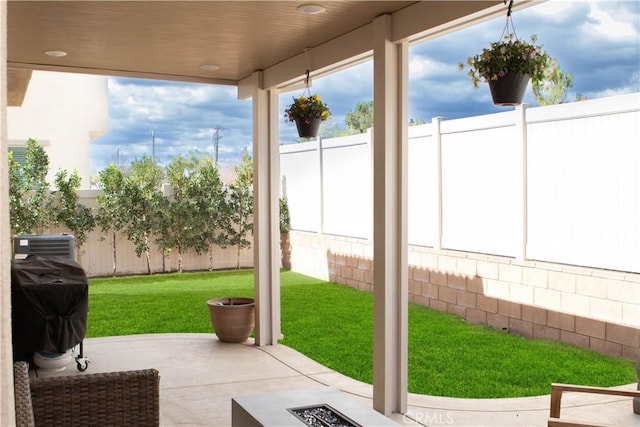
pixel 311 9
pixel 209 67
pixel 55 53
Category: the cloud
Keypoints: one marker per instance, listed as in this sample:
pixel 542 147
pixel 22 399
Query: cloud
pixel 616 18
pixel 596 41
pixel 602 63
pixel 180 115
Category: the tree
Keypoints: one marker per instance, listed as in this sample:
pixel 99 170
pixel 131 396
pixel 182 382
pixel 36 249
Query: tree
pixel 111 209
pixel 332 129
pixel 240 201
pixel 285 225
pixel 244 170
pixel 163 231
pixel 29 191
pixel 555 85
pixel 16 202
pixel 68 210
pixel 141 196
pixel 180 224
pixel 196 214
pixel 361 117
pixel 210 198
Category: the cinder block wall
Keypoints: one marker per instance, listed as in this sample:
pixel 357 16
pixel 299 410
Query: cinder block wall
pixel 592 308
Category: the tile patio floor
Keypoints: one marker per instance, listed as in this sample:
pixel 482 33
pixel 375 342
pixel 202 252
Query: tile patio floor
pixel 199 375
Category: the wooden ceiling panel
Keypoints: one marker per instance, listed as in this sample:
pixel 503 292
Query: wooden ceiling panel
pixel 175 38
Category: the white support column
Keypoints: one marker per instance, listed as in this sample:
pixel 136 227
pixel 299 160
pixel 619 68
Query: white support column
pixel 437 136
pixel 373 172
pixel 521 140
pixel 390 75
pixel 320 152
pixel 266 229
pixel 7 411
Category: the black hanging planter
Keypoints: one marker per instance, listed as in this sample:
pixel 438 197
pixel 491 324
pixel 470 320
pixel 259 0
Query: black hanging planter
pixel 509 89
pixel 308 127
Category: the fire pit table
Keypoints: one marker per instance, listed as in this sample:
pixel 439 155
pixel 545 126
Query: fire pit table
pixel 322 407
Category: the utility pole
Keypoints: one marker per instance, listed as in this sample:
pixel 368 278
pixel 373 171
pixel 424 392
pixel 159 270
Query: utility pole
pixel 216 144
pixel 153 146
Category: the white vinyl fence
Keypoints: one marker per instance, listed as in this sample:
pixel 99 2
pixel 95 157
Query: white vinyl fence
pixel 558 183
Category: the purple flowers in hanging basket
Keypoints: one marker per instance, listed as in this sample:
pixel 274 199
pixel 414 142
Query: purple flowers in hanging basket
pixel 507 56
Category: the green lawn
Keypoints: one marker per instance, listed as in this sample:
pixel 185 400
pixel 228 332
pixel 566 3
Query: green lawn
pixel 332 324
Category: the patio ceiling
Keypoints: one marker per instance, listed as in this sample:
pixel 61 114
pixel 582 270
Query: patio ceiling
pixel 172 40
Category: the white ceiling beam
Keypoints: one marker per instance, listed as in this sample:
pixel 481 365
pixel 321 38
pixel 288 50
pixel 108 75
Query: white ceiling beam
pixel 420 21
pixel 427 19
pixel 329 56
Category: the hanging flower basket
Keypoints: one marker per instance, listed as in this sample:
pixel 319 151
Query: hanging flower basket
pixel 508 65
pixel 509 89
pixel 307 112
pixel 308 126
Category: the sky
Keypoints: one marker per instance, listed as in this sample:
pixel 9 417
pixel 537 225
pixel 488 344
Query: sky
pixel 598 42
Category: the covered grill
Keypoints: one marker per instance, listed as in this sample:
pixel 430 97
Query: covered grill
pixel 49 298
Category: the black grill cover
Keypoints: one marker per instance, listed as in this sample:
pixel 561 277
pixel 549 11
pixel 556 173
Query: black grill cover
pixel 49 301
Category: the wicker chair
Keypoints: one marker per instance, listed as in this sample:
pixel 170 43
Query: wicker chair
pixel 103 399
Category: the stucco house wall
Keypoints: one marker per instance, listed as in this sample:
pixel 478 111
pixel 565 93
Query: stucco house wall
pixel 64 112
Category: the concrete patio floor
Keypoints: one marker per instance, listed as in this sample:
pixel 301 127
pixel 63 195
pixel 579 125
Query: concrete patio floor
pixel 199 375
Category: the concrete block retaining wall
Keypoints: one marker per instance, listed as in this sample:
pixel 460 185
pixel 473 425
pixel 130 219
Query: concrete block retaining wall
pixel 592 308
